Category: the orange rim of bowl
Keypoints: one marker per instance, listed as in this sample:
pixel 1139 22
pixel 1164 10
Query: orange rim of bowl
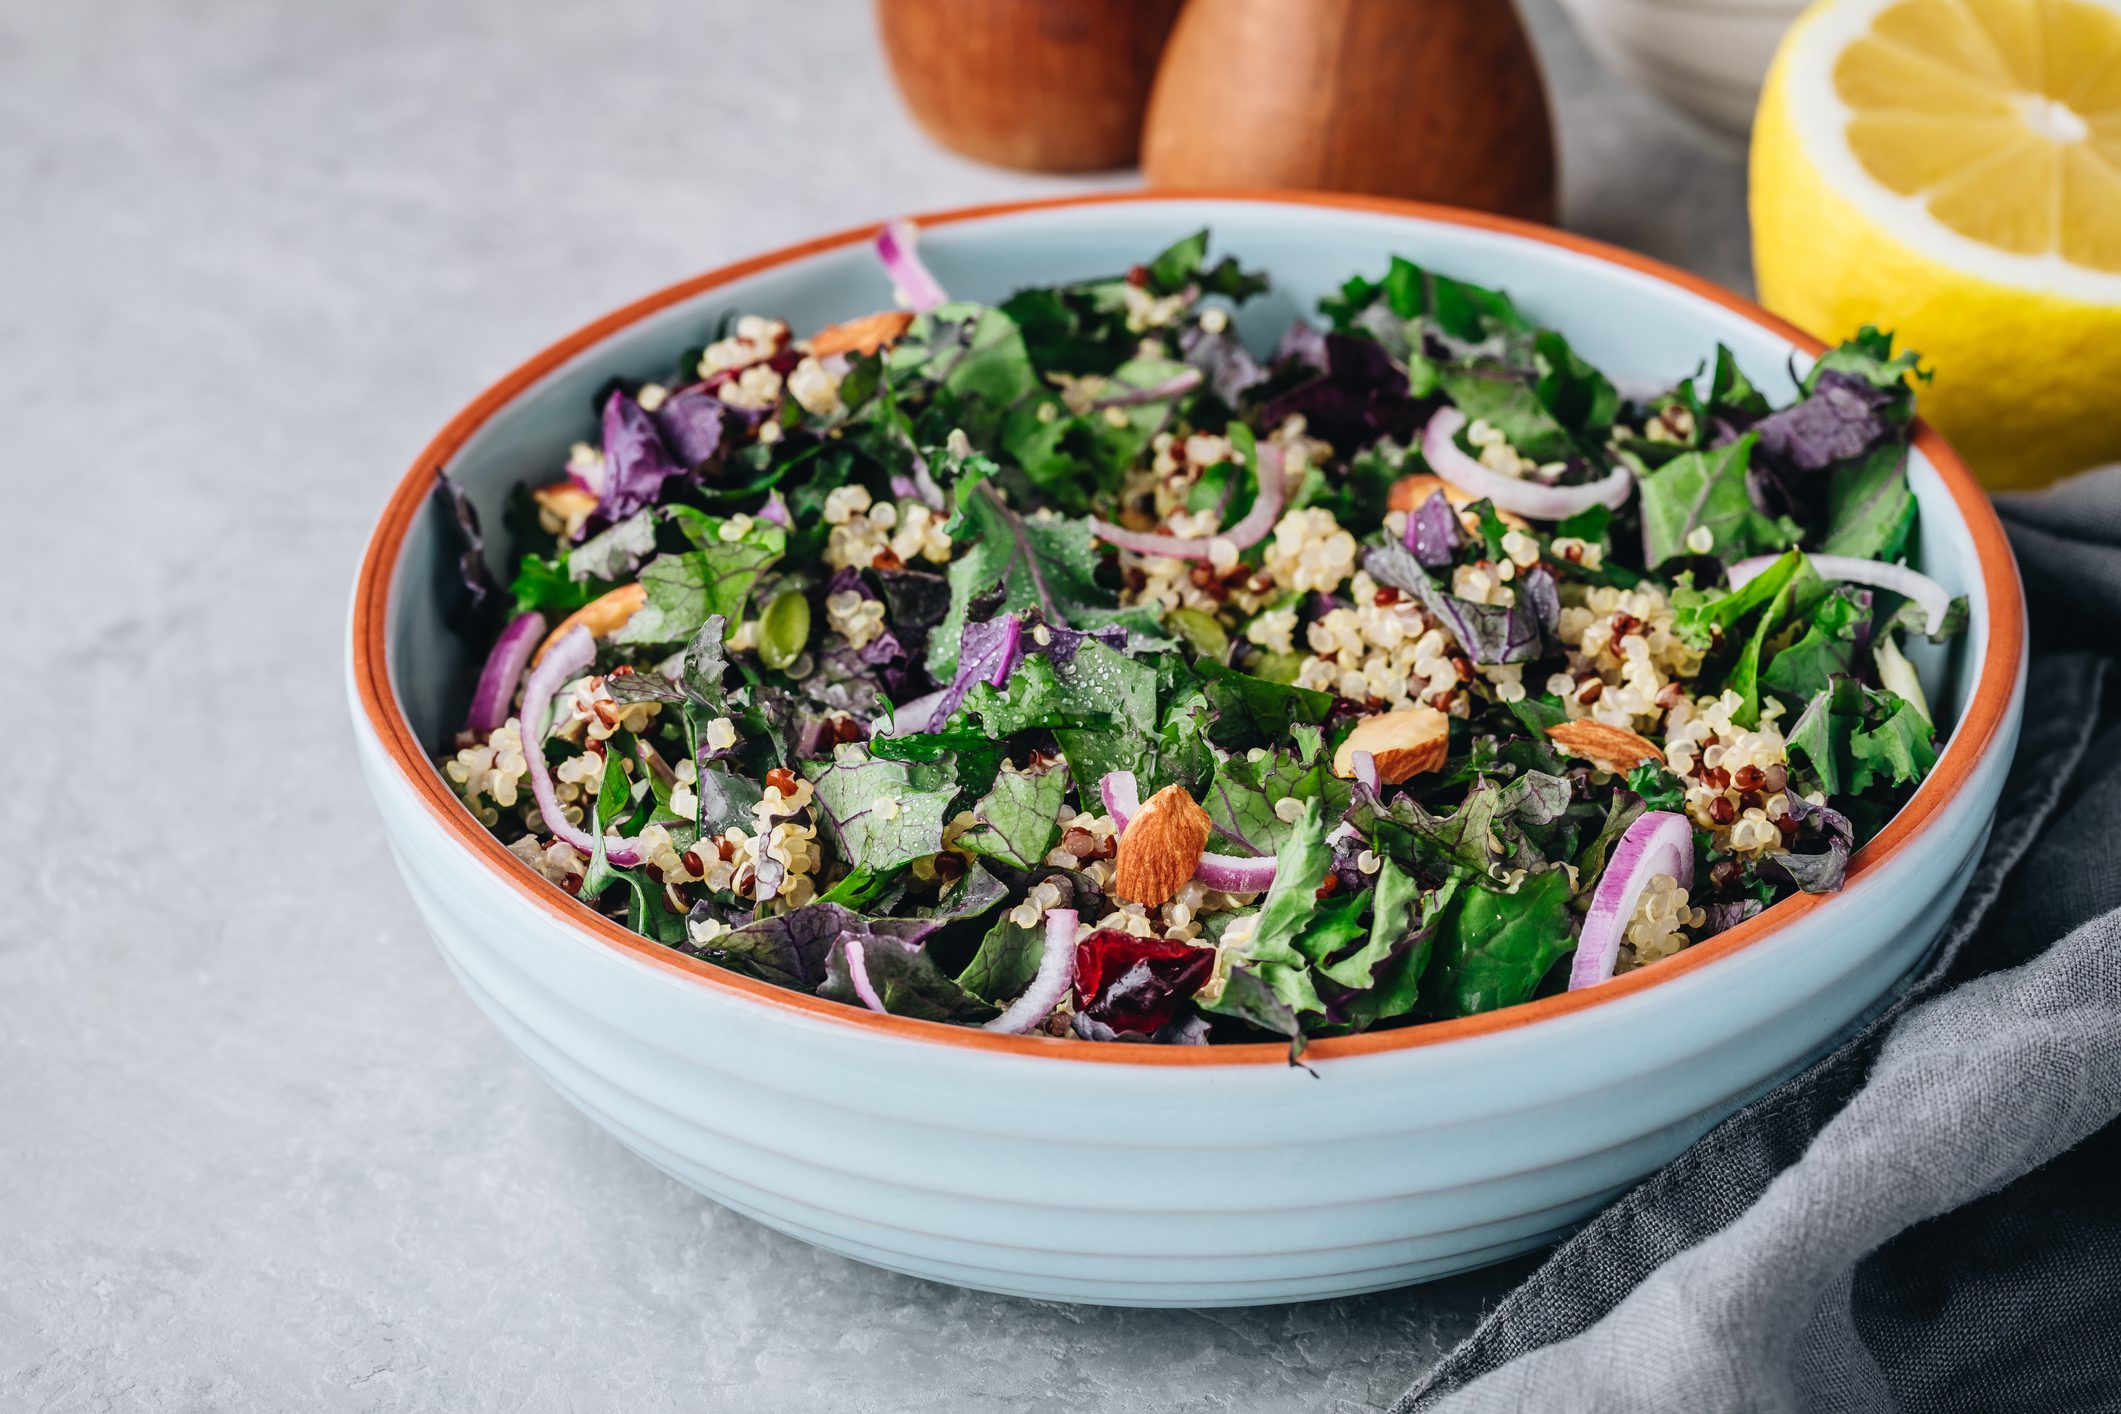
pixel 1973 738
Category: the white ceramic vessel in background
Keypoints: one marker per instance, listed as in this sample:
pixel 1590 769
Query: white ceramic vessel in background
pixel 1138 1174
pixel 1706 58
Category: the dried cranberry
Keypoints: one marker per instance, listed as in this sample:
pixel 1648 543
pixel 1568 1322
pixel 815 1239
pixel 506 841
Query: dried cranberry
pixel 782 779
pixel 1136 984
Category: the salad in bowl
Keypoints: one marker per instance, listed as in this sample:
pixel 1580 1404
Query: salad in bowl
pixel 1067 666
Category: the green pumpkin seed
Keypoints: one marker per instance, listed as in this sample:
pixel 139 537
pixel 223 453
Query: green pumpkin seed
pixel 784 629
pixel 1199 628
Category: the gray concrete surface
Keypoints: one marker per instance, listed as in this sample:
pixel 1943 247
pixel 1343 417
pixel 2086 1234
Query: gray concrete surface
pixel 256 1152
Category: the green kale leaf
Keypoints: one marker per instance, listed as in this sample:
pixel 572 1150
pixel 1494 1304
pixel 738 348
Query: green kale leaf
pixel 1707 489
pixel 688 587
pixel 880 813
pixel 1018 818
pixel 1497 947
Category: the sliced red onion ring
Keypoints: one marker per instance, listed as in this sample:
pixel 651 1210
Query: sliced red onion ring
pixel 1178 385
pixel 1661 842
pixel 1526 498
pixel 858 974
pixel 498 680
pixel 1900 579
pixel 1122 797
pixel 924 484
pixel 1236 874
pixel 1366 772
pixel 1229 873
pixel 895 248
pixel 1056 974
pixel 917 715
pixel 573 651
pixel 1266 509
pixel 776 510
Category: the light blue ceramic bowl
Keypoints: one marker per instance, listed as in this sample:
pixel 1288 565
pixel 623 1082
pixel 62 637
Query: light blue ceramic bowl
pixel 1155 1175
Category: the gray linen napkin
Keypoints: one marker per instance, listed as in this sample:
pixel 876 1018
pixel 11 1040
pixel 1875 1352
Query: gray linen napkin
pixel 1930 1218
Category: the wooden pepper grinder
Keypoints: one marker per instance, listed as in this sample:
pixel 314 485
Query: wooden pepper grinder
pixel 1044 85
pixel 1439 100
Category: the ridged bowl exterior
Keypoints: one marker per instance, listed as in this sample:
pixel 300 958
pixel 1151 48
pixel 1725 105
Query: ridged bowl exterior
pixel 1121 1182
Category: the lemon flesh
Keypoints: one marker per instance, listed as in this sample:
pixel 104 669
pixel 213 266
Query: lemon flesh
pixel 1951 170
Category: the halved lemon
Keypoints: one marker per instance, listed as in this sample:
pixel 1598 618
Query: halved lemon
pixel 1951 170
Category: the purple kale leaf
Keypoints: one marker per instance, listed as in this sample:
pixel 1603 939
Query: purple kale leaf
pixel 1302 346
pixel 1361 396
pixel 1489 633
pixel 1842 417
pixel 990 651
pixel 636 464
pixel 896 965
pixel 1817 871
pixel 1223 360
pixel 1433 532
pixel 480 599
pixel 791 948
pixel 692 422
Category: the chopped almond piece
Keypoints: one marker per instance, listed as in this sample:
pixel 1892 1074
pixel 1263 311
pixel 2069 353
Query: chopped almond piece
pixel 864 335
pixel 1404 744
pixel 602 616
pixel 566 500
pixel 1161 848
pixel 1602 744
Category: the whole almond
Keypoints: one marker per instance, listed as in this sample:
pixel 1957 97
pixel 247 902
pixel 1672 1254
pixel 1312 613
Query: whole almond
pixel 1403 743
pixel 864 335
pixel 1602 744
pixel 1161 847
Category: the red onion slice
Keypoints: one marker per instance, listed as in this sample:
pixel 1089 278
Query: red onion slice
pixel 1122 798
pixel 1661 842
pixel 1366 772
pixel 1236 874
pixel 1176 386
pixel 1266 509
pixel 895 248
pixel 503 672
pixel 918 715
pixel 1056 974
pixel 1228 873
pixel 776 510
pixel 573 651
pixel 858 974
pixel 1899 579
pixel 1526 498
